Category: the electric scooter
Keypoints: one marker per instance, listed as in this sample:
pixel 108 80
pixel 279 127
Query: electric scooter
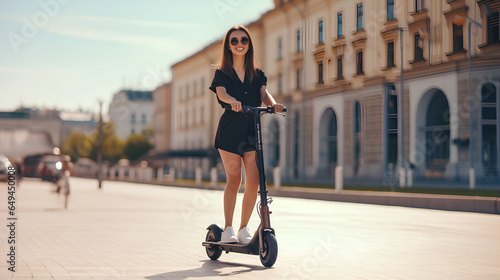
pixel 263 242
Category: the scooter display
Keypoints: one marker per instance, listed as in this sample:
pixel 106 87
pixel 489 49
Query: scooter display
pixel 264 241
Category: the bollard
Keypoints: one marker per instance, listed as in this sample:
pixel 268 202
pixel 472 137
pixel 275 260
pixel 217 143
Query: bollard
pixel 197 175
pixel 160 174
pixel 171 174
pixel 112 171
pixel 148 172
pixel 277 177
pixel 131 173
pixel 339 178
pixel 121 172
pixel 213 176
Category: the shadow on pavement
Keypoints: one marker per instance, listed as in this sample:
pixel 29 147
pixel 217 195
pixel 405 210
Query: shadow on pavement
pixel 209 268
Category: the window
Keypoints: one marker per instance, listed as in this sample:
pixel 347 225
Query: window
pixel 298 79
pixel 320 32
pixel 419 5
pixel 390 10
pixel 392 127
pixel 359 17
pixel 458 38
pixel 339 68
pixel 320 73
pixel 133 118
pixel 437 134
pixel 493 29
pixel 419 51
pixel 298 40
pixel 357 136
pixel 359 68
pixel 489 151
pixel 143 118
pixel 390 55
pixel 339 25
pixel 280 47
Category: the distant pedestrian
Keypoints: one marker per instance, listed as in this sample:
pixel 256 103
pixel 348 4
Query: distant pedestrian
pixel 238 82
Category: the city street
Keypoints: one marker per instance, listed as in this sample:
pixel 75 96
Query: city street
pixel 140 231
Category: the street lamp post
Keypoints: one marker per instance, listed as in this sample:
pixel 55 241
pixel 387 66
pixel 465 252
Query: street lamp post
pixel 99 147
pixel 472 172
pixel 401 123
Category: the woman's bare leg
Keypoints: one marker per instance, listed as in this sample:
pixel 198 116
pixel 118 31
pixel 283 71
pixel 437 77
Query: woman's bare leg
pixel 232 166
pixel 251 186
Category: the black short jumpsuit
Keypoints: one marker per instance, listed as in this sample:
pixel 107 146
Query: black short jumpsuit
pixel 236 131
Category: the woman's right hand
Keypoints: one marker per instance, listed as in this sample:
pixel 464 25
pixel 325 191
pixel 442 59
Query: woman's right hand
pixel 236 105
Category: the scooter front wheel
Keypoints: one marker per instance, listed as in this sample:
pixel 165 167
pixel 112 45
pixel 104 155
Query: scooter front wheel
pixel 269 253
pixel 213 252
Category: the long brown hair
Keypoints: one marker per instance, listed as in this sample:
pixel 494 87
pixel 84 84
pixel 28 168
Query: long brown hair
pixel 226 57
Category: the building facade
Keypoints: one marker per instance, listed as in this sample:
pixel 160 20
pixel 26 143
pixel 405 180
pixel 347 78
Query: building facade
pixel 161 119
pixel 337 65
pixel 132 112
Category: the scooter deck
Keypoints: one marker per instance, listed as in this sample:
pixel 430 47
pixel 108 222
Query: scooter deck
pixel 250 248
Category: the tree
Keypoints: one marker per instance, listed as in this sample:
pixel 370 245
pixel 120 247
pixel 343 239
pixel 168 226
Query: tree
pixel 136 145
pixel 112 146
pixel 78 145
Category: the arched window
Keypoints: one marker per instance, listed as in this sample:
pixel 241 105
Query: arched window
pixel 437 135
pixel 489 147
pixel 328 143
pixel 358 129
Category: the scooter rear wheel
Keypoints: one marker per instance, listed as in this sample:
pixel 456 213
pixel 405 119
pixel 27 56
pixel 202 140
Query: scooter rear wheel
pixel 269 252
pixel 213 252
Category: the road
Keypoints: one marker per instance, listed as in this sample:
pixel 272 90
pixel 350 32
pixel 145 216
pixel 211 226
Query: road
pixel 139 231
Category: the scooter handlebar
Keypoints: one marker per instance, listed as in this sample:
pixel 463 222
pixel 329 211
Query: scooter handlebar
pixel 268 109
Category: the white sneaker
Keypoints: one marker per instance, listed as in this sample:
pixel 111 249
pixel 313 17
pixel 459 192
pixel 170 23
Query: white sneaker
pixel 244 236
pixel 228 236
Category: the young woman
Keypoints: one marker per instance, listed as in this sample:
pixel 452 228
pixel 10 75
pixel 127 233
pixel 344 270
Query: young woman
pixel 238 82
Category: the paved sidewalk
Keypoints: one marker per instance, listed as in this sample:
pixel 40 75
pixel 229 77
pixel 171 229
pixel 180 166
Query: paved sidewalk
pixel 142 232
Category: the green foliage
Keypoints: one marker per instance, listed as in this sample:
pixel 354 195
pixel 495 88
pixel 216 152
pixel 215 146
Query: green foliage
pixel 79 145
pixel 136 145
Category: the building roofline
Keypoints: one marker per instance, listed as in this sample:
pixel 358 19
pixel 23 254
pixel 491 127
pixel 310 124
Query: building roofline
pixel 256 22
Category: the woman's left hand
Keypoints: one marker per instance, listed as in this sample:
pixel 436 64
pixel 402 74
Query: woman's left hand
pixel 278 108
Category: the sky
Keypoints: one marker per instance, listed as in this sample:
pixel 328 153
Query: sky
pixel 68 54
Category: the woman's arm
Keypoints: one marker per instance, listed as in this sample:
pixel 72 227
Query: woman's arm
pixel 268 100
pixel 226 98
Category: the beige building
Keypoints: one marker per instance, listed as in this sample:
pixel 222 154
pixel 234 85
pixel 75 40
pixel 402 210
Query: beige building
pixel 161 118
pixel 336 65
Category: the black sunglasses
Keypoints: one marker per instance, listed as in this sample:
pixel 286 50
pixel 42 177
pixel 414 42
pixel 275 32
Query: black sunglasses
pixel 244 41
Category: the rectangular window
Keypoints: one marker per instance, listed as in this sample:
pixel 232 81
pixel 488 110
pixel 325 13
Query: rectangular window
pixel 419 5
pixel 390 55
pixel 320 73
pixel 390 10
pixel 298 79
pixel 320 32
pixel 359 68
pixel 359 17
pixel 392 126
pixel 143 118
pixel 132 118
pixel 280 47
pixel 298 40
pixel 493 29
pixel 458 38
pixel 419 48
pixel 339 25
pixel 339 68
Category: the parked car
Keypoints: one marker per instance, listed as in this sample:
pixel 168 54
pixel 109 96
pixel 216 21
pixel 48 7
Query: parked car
pixel 47 169
pixel 4 164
